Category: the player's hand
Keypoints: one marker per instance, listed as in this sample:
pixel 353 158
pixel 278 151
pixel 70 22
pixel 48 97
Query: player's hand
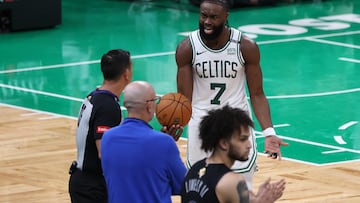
pixel 264 187
pixel 174 131
pixel 278 189
pixel 264 193
pixel 272 146
pixel 269 192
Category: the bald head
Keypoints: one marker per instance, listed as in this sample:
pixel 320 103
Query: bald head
pixel 136 100
pixel 137 92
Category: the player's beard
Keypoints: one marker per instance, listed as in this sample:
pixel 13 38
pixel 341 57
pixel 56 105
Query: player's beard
pixel 217 30
pixel 233 154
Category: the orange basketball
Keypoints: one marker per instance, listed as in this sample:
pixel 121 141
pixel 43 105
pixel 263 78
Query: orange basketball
pixel 173 108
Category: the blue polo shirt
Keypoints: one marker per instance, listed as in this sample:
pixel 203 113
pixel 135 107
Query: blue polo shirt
pixel 140 164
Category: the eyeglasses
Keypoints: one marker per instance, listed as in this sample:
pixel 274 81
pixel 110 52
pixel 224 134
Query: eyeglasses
pixel 156 100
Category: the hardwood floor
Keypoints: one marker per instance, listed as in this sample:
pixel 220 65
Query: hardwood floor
pixel 37 148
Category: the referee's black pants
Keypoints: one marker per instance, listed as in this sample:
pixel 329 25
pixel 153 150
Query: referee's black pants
pixel 87 188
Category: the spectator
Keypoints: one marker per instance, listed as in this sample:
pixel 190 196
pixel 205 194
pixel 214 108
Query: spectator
pixel 140 164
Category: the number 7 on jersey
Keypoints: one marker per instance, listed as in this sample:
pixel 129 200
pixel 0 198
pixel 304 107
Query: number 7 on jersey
pixel 213 86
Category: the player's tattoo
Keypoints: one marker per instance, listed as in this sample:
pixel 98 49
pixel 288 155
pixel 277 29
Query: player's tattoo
pixel 243 192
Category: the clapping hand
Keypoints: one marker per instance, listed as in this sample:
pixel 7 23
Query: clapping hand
pixel 270 192
pixel 277 189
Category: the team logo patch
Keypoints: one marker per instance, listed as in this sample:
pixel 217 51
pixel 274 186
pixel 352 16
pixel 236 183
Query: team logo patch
pixel 202 172
pixel 102 129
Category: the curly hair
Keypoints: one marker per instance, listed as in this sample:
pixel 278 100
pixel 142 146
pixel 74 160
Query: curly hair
pixel 221 124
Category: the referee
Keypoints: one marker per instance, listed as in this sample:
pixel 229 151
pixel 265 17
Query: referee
pixel 99 112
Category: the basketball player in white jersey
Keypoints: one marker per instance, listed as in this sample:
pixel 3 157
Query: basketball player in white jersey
pixel 214 65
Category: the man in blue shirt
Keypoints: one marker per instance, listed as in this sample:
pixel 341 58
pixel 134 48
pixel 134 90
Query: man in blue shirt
pixel 139 163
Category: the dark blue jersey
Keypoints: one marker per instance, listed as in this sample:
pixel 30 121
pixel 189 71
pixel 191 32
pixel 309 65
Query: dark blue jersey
pixel 200 182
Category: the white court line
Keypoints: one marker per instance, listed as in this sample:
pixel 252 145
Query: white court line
pixel 332 151
pixel 79 63
pixel 173 52
pixel 293 160
pixel 312 143
pixel 319 144
pixel 347 125
pixel 336 149
pixel 314 94
pixel 49 67
pixel 269 97
pixel 349 59
pixel 30 114
pixel 340 162
pixel 333 43
pixel 46 93
pixel 37 111
pixel 41 92
pixel 49 117
pixel 305 37
pixel 339 139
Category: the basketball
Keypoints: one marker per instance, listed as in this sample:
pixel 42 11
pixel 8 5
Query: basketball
pixel 173 108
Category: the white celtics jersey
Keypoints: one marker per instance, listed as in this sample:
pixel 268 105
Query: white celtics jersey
pixel 219 75
pixel 219 79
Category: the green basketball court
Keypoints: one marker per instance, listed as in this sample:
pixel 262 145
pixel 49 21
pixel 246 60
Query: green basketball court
pixel 310 56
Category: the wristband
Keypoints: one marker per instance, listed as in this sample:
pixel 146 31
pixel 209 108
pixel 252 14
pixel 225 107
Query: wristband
pixel 269 131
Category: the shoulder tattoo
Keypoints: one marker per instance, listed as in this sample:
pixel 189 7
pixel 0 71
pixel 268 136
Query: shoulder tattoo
pixel 243 192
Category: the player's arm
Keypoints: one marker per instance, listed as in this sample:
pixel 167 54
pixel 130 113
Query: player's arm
pixel 104 119
pixel 251 54
pixel 232 188
pixel 98 146
pixel 259 102
pixel 184 76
